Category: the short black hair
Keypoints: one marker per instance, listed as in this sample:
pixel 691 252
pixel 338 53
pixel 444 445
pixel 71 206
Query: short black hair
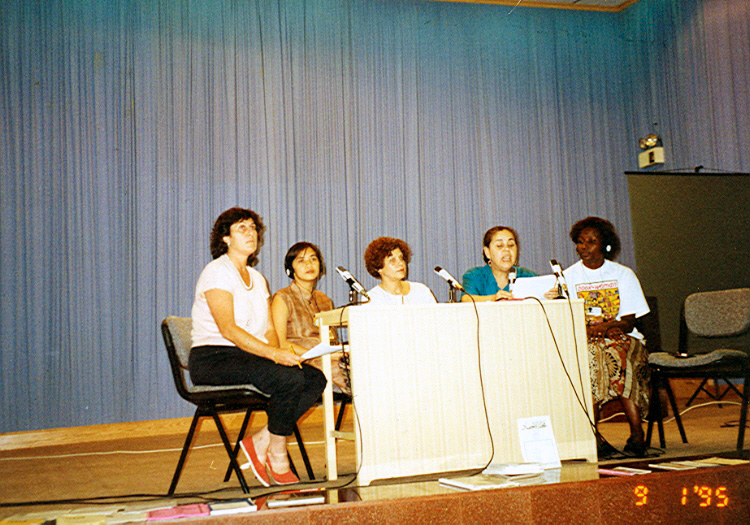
pixel 221 229
pixel 606 231
pixel 295 250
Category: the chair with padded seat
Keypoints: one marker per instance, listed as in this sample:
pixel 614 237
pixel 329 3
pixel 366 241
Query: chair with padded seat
pixel 210 401
pixel 712 316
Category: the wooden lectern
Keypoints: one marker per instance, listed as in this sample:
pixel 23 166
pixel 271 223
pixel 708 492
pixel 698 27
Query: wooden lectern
pixel 424 408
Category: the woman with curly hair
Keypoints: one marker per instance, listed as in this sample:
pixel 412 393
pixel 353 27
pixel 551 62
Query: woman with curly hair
pixel 234 342
pixel 387 259
pixel 613 300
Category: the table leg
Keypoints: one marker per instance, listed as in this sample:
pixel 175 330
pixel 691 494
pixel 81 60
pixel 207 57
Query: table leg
pixel 329 423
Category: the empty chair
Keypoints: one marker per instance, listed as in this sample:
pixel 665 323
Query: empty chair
pixel 713 316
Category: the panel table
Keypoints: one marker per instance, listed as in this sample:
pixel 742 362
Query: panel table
pixel 421 403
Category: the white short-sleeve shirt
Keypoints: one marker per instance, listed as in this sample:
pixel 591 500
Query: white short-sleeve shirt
pixel 612 291
pixel 250 302
pixel 418 294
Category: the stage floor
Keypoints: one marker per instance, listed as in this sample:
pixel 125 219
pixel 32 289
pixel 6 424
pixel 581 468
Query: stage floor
pixel 49 474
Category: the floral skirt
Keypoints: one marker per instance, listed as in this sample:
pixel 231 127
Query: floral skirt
pixel 619 368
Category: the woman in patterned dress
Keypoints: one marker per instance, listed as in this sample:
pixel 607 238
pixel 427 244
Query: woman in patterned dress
pixel 613 300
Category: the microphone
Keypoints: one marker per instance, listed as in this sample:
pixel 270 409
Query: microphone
pixel 449 278
pixel 511 278
pixel 561 286
pixel 353 283
pixel 556 269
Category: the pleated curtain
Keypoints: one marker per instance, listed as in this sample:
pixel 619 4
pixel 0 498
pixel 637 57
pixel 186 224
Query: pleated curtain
pixel 126 127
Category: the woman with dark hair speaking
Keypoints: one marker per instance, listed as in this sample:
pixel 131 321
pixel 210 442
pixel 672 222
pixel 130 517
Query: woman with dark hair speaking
pixel 491 282
pixel 613 300
pixel 234 342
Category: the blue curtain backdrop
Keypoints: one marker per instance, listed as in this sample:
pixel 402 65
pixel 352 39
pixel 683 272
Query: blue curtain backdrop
pixel 127 126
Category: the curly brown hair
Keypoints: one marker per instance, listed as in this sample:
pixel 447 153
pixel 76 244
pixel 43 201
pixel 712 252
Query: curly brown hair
pixel 381 248
pixel 221 229
pixel 610 239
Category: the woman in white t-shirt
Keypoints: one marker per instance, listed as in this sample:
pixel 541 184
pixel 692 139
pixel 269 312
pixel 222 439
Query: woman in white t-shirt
pixel 234 342
pixel 387 259
pixel 613 300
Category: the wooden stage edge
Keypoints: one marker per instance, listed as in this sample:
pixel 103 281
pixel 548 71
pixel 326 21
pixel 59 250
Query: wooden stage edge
pixel 708 495
pixel 113 431
pixel 713 495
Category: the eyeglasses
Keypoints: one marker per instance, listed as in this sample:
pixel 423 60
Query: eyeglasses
pixel 245 228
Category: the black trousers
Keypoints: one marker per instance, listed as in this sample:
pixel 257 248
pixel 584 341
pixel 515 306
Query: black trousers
pixel 291 390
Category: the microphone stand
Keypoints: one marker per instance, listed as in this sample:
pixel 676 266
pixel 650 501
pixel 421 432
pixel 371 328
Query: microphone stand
pixel 353 297
pixel 561 290
pixel 452 294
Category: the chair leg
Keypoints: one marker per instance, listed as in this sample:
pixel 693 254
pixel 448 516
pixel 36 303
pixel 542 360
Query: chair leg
pixel 662 439
pixel 655 412
pixel 719 394
pixel 228 447
pixel 698 390
pixel 743 413
pixel 240 436
pixel 730 386
pixel 340 417
pixel 185 450
pixel 292 467
pixel 303 452
pixel 677 417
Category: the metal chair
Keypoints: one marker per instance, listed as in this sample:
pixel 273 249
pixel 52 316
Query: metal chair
pixel 714 315
pixel 210 401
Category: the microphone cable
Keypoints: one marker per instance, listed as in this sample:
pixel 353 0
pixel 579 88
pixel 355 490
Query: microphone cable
pixel 562 363
pixel 454 284
pixel 575 338
pixel 484 405
pixel 481 385
pixel 584 408
pixel 595 429
pixel 564 284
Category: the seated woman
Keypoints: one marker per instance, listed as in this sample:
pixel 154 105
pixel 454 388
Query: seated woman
pixel 613 300
pixel 234 342
pixel 293 308
pixel 500 252
pixel 387 259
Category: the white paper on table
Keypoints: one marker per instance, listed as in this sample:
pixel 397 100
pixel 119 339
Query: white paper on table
pixel 538 443
pixel 533 286
pixel 513 469
pixel 320 349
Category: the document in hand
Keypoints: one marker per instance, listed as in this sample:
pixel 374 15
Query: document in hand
pixel 533 286
pixel 320 349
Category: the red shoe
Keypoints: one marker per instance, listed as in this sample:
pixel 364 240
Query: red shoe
pixel 252 457
pixel 287 478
